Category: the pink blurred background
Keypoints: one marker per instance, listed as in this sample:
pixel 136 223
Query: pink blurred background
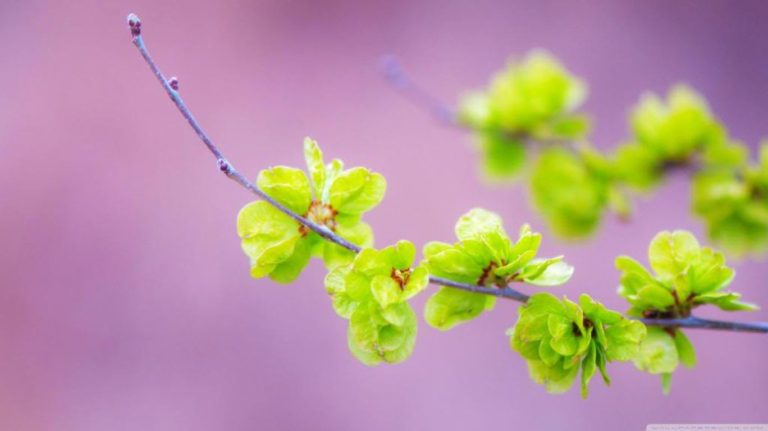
pixel 125 301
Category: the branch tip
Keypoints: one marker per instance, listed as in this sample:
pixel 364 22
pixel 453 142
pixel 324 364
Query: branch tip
pixel 390 68
pixel 134 23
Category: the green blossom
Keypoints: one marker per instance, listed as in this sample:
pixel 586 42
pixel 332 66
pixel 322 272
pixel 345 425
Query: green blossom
pixel 485 256
pixel 734 206
pixel 557 338
pixel 533 98
pixel 680 132
pixel 684 277
pixel 335 198
pixel 675 129
pixel 372 293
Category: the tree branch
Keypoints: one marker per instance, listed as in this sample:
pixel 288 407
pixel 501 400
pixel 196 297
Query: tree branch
pixel 134 23
pixel 697 323
pixel 171 88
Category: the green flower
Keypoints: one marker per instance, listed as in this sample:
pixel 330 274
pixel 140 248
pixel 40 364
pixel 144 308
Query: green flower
pixel 557 338
pixel 673 131
pixel 679 132
pixel 734 206
pixel 534 98
pixel 335 198
pixel 372 292
pixel 485 256
pixel 685 276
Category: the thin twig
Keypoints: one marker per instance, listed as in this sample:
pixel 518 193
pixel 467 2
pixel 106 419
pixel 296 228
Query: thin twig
pixel 390 67
pixel 171 88
pixel 695 322
pixel 446 114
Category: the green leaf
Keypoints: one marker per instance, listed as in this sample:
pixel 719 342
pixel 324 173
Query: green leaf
pixel 373 339
pixel 453 263
pixel 503 157
pixel 588 368
pixel 450 307
pixel 572 127
pixel 528 243
pixel 476 222
pixel 434 248
pixel 344 303
pixel 332 170
pixel 366 357
pixel 558 325
pixel 547 272
pixel 557 379
pixel 638 166
pixel 685 350
pixel 289 186
pixel 670 253
pixel 385 290
pixel 289 269
pixel 709 273
pixel 356 191
pixel 400 255
pixel 269 239
pixel 656 297
pixel 545 353
pixel 569 195
pixel 658 353
pixel 314 158
pixel 417 281
pixel 666 383
pixel 725 154
pixel 335 255
pixel 601 365
pixel 623 340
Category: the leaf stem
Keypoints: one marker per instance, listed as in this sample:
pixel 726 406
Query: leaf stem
pixel 392 69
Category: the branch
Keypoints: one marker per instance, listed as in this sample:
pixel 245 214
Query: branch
pixel 697 323
pixel 171 87
pixel 444 113
pixel 390 67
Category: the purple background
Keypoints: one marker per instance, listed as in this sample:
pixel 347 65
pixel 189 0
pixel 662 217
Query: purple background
pixel 126 302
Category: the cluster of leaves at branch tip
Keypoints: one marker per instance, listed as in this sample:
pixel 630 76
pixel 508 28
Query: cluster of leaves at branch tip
pixel 534 101
pixel 734 205
pixel 685 276
pixel 372 293
pixel 330 196
pixel 557 338
pixel 485 256
pixel 531 99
